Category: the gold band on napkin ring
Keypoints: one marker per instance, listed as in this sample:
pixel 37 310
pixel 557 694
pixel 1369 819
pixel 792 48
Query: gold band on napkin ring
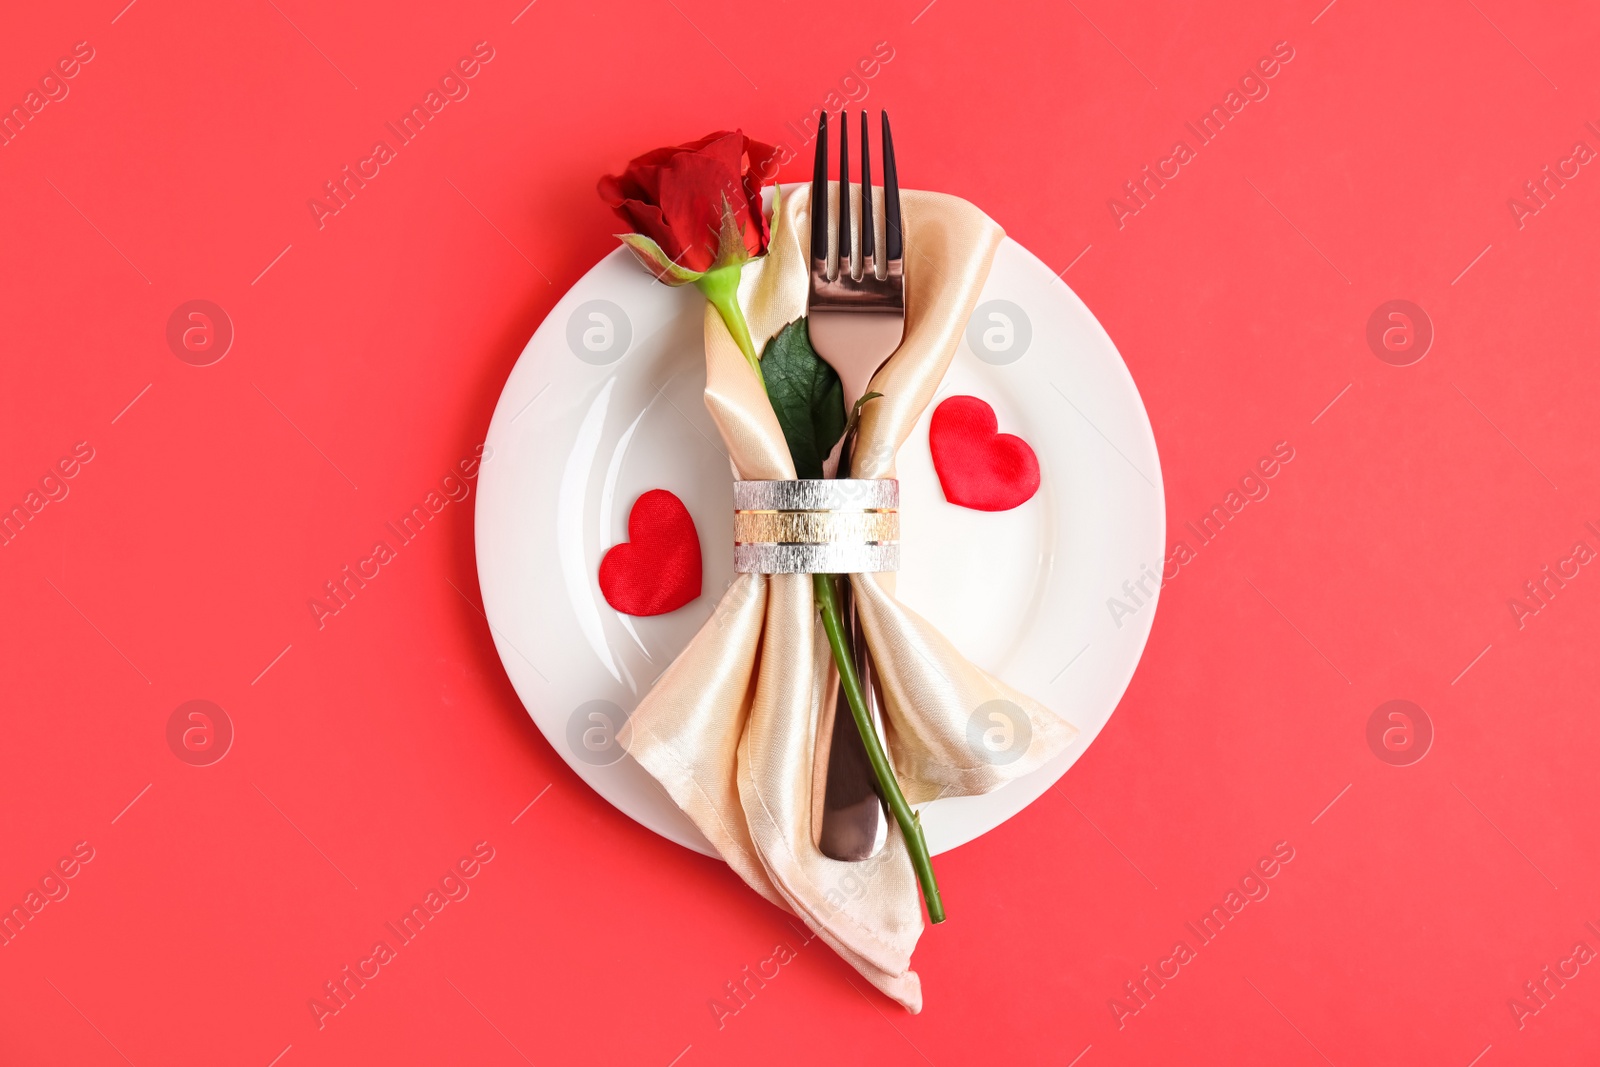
pixel 816 526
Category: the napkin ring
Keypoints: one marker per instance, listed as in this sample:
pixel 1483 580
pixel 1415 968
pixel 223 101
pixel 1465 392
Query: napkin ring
pixel 816 526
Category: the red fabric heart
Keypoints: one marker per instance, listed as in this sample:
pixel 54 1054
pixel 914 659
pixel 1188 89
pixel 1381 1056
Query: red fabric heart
pixel 657 569
pixel 978 467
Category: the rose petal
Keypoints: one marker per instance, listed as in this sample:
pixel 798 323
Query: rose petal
pixel 674 197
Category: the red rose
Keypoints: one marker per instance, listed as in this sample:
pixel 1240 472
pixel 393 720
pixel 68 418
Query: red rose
pixel 695 206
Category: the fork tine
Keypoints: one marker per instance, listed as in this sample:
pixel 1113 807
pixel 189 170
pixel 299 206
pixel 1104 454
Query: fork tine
pixel 844 195
pixel 868 223
pixel 894 246
pixel 819 193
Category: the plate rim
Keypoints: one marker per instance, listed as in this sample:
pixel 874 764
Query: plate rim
pixel 1019 793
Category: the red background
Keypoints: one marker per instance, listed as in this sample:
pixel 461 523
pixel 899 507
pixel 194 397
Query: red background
pixel 375 752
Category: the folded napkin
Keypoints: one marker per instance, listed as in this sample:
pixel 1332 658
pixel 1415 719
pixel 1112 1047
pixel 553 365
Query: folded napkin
pixel 730 728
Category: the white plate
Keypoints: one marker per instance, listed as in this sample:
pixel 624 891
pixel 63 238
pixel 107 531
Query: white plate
pixel 605 404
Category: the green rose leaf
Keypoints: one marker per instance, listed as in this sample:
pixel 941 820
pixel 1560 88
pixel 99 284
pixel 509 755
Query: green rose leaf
pixel 806 396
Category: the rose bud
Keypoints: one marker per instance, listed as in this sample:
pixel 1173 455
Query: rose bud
pixel 694 207
pixel 696 214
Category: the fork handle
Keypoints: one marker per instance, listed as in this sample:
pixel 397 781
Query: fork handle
pixel 851 823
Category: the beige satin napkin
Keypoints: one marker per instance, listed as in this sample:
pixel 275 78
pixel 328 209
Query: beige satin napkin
pixel 730 727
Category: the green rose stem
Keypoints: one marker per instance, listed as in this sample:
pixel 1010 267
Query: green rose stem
pixel 910 825
pixel 721 287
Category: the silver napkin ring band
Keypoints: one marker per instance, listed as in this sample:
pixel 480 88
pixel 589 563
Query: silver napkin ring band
pixel 816 526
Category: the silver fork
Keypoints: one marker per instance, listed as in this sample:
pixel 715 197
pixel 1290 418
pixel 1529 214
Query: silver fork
pixel 856 319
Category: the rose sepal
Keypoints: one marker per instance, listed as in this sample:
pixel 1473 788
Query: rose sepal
pixel 731 249
pixel 657 262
